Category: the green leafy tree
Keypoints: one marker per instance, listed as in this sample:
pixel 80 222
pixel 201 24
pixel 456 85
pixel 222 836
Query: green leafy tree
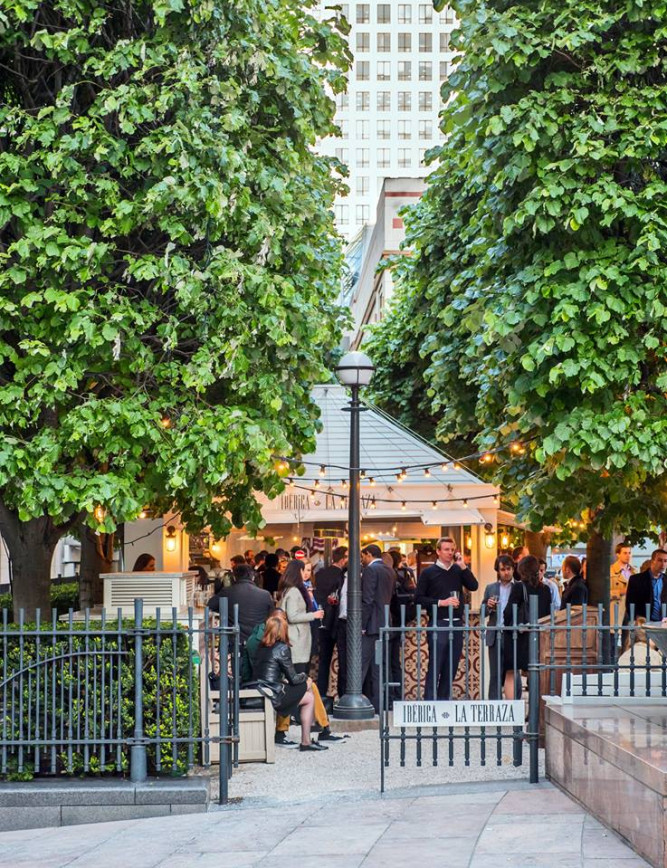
pixel 168 260
pixel 538 288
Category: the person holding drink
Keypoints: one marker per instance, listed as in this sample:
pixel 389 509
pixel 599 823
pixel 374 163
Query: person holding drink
pixel 495 600
pixel 297 604
pixel 441 585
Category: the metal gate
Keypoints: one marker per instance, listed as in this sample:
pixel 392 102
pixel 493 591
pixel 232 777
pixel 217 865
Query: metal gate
pixel 416 658
pixel 119 695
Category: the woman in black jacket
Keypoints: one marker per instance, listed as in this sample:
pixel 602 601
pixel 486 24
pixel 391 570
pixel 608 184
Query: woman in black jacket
pixel 289 689
pixel 529 584
pixel 576 592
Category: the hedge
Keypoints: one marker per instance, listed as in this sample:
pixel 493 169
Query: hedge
pixel 170 680
pixel 63 598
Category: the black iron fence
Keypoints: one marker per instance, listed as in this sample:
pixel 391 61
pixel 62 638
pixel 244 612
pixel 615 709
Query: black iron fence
pixel 118 695
pixel 577 654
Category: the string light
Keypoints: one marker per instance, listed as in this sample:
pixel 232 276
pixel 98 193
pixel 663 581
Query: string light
pixel 399 477
pixel 290 483
pixel 434 505
pixel 427 472
pixel 403 505
pixel 373 504
pixel 496 500
pixel 316 484
pixel 465 503
pixel 343 482
pixel 323 470
pixel 363 474
pixel 371 482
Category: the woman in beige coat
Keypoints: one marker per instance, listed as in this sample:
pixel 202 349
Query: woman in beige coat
pixel 295 602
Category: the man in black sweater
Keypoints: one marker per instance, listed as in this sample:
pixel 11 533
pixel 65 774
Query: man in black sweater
pixel 440 585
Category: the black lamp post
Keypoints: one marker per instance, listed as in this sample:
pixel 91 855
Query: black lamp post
pixel 354 370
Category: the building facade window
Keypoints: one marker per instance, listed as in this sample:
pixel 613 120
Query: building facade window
pixel 404 158
pixel 405 42
pixel 363 42
pixel 384 70
pixel 384 13
pixel 344 129
pixel 363 68
pixel 405 129
pixel 362 129
pixel 363 13
pixel 425 101
pixel 384 42
pixel 343 154
pixel 404 101
pixel 404 13
pixel 384 158
pixel 363 213
pixel 362 185
pixel 342 101
pixel 425 13
pixel 384 129
pixel 425 129
pixel 384 101
pixel 362 158
pixel 444 70
pixel 426 42
pixel 444 42
pixel 363 100
pixel 404 70
pixel 342 213
pixel 425 70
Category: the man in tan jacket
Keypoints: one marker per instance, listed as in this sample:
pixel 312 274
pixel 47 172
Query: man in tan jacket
pixel 621 570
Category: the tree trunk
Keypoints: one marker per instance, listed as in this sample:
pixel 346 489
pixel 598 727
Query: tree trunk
pixel 537 543
pixel 96 558
pixel 598 565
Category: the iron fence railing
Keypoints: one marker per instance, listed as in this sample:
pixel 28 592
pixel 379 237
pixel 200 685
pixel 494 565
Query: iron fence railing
pixel 578 654
pixel 118 695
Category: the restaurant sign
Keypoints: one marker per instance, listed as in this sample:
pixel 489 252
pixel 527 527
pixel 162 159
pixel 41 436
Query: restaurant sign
pixel 460 713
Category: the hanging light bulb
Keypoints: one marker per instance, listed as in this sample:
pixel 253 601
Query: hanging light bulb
pixel 362 474
pixel 371 482
pixel 343 482
pixel 496 500
pixel 316 484
pixel 434 505
pixel 444 467
pixel 323 470
pixel 403 505
pixel 373 504
pixel 457 466
pixel 399 477
pixel 465 502
pixel 427 472
pixel 290 483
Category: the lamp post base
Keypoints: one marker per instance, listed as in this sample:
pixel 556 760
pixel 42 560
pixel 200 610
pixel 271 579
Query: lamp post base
pixel 353 706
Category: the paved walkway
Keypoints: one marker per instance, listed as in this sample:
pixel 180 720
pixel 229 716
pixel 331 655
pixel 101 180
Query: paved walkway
pixel 463 826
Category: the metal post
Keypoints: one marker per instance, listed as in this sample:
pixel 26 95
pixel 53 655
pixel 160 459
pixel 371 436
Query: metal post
pixel 354 705
pixel 533 689
pixel 138 765
pixel 223 703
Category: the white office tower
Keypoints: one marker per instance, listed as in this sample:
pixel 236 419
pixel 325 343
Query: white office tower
pixel 389 116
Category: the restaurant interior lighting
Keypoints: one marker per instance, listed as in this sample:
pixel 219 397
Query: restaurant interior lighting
pixel 489 536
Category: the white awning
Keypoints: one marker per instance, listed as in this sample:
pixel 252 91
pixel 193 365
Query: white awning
pixel 452 517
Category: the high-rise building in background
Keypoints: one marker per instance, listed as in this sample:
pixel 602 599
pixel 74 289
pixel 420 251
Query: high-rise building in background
pixel 389 116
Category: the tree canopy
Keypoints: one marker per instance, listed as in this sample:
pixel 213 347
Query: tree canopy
pixel 535 298
pixel 169 261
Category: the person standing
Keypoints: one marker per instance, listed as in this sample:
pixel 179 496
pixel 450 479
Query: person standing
pixel 441 585
pixel 496 596
pixel 270 574
pixel 553 587
pixel 515 642
pixel 575 592
pixel 327 595
pixel 647 591
pixel 621 570
pixel 377 587
pixel 296 602
pixel 254 603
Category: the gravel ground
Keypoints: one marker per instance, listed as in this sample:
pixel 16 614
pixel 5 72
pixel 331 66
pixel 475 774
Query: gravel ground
pixel 353 766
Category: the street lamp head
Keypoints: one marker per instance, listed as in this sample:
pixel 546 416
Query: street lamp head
pixel 355 369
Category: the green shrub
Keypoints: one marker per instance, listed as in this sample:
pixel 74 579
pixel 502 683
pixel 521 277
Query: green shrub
pixel 63 598
pixel 76 685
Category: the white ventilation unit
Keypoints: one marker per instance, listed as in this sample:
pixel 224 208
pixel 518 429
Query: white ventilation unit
pixel 164 591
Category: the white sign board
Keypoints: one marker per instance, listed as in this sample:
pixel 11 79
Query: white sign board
pixel 460 713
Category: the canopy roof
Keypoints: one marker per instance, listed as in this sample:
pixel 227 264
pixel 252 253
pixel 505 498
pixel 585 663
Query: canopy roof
pixel 386 446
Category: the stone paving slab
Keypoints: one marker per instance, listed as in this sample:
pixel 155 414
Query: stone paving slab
pixel 507 825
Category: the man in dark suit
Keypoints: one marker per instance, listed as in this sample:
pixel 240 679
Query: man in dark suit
pixel 440 587
pixel 647 591
pixel 496 596
pixel 328 584
pixel 254 603
pixel 377 587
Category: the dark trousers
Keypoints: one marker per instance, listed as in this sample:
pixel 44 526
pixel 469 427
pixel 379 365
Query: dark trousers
pixel 395 666
pixel 445 648
pixel 341 643
pixel 370 669
pixel 496 670
pixel 327 645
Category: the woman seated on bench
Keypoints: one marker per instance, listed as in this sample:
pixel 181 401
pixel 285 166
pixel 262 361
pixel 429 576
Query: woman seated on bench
pixel 273 669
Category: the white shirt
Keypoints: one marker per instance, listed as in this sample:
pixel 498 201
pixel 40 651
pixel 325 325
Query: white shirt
pixel 342 600
pixel 442 566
